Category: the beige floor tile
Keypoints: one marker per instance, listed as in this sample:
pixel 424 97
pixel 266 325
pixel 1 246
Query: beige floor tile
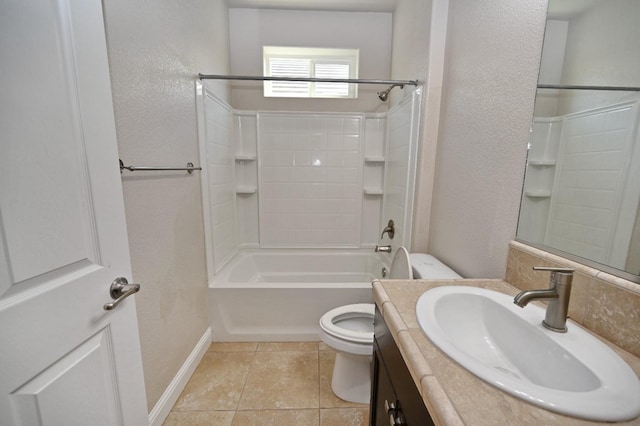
pixel 199 418
pixel 217 382
pixel 324 347
pixel 233 347
pixel 279 383
pixel 327 398
pixel 344 417
pixel 281 380
pixel 277 418
pixel 287 346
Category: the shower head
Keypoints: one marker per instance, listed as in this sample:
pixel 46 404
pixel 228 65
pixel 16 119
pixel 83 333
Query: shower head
pixel 384 95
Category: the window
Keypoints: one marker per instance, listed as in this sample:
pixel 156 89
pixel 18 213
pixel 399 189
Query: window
pixel 308 62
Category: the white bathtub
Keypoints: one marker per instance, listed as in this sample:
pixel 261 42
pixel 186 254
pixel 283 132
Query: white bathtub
pixel 280 295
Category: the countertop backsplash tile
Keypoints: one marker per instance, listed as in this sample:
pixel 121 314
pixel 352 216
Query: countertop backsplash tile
pixel 607 305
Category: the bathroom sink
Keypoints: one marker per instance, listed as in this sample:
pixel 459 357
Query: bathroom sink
pixel 572 373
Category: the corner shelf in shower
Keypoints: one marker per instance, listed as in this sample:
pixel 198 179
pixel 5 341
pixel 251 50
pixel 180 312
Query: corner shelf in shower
pixel 542 163
pixel 538 194
pixel 245 157
pixel 374 159
pixel 245 190
pixel 373 191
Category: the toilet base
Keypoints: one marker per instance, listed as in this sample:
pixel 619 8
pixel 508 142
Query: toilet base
pixel 351 379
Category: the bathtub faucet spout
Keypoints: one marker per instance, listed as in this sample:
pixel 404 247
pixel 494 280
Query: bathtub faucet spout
pixel 382 249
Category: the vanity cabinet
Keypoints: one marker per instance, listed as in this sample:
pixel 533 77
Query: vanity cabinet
pixel 395 400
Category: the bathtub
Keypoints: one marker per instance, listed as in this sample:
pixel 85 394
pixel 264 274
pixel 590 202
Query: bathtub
pixel 280 295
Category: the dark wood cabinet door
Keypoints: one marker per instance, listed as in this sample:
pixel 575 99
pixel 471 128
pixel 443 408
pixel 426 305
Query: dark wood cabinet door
pixel 383 398
pixel 392 382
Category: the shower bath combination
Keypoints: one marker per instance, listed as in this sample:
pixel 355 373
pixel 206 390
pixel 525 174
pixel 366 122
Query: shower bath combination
pixel 269 279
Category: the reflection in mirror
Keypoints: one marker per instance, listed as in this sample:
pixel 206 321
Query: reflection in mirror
pixel 582 185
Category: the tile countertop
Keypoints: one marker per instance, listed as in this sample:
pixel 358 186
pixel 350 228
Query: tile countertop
pixel 453 395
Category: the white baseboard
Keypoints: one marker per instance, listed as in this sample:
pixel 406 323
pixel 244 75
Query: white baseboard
pixel 161 410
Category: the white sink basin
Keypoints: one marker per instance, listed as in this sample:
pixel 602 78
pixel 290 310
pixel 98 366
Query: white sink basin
pixel 571 373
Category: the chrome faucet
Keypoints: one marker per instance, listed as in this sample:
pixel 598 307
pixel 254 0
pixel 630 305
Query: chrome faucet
pixel 559 292
pixel 382 249
pixel 390 229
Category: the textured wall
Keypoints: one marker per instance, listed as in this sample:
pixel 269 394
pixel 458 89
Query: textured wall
pixel 551 62
pixel 491 69
pixel 155 49
pixel 253 28
pixel 419 33
pixel 602 49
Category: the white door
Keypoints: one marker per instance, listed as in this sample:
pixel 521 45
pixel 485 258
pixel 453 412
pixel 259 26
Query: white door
pixel 64 360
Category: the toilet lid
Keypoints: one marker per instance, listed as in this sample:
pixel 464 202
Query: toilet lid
pixel 350 322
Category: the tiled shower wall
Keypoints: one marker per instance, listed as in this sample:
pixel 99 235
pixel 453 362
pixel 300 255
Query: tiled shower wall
pixel 592 184
pixel 302 179
pixel 215 121
pixel 310 179
pixel 581 189
pixel 373 178
pixel 246 154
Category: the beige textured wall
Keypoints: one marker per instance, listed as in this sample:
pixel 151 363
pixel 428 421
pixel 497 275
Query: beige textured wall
pixel 250 29
pixel 602 49
pixel 491 69
pixel 155 50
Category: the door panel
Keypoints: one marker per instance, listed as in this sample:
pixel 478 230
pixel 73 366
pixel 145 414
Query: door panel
pixel 41 123
pixel 64 359
pixel 72 381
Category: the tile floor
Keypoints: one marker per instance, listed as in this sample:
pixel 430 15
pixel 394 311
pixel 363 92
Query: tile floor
pixel 265 384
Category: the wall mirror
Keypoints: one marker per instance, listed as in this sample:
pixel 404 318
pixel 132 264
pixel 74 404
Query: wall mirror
pixel 582 183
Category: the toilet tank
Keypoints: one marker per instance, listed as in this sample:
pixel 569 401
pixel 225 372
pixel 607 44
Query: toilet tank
pixel 427 267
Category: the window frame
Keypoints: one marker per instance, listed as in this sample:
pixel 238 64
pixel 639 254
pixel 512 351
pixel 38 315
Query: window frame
pixel 313 56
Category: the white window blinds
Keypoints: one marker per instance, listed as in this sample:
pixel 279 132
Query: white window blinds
pixel 282 67
pixel 310 63
pixel 329 89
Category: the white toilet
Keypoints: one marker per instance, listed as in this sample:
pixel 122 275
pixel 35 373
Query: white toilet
pixel 349 329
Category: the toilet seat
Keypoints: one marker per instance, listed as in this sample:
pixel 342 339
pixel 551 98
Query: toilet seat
pixel 349 331
pixel 330 322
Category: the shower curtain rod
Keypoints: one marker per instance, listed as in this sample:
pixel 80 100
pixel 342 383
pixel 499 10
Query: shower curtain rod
pixel 313 80
pixel 573 87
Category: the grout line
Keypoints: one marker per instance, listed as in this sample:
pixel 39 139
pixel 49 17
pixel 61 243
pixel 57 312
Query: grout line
pixel 246 379
pixel 319 380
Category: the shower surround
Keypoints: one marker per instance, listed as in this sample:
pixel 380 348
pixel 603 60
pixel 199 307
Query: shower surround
pixel 306 190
